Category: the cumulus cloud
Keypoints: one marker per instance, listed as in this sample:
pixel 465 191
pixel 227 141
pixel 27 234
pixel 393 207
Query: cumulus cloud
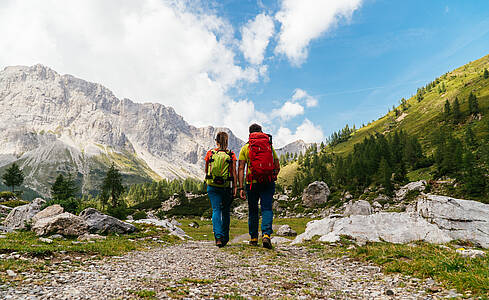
pixel 255 38
pixel 305 20
pixel 288 111
pixel 307 131
pixel 301 95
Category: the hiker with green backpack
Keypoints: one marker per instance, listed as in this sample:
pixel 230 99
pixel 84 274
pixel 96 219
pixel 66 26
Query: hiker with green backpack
pixel 220 170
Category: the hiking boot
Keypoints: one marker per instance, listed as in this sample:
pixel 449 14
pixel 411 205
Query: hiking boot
pixel 267 242
pixel 219 243
pixel 254 242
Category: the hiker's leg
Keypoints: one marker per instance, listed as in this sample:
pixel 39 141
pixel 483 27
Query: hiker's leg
pixel 216 197
pixel 252 196
pixel 226 208
pixel 266 203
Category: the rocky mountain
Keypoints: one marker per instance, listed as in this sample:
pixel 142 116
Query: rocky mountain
pixel 298 146
pixel 51 123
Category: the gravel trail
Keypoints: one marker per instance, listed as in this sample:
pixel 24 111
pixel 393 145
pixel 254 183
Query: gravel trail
pixel 197 269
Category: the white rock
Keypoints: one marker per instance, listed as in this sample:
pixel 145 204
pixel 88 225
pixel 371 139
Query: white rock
pixel 315 194
pixel 90 237
pixel 49 211
pixel 472 253
pixel 280 240
pixel 412 186
pixel 22 215
pixel 11 273
pixel 46 240
pixel 285 230
pixel 174 230
pixel 65 224
pixel 359 207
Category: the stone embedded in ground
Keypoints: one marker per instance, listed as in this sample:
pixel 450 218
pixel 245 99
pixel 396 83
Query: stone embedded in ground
pixel 277 240
pixel 194 225
pixel 22 215
pixel 462 219
pixel 102 223
pixel 174 230
pixel 57 237
pixel 11 273
pixel 5 209
pixel 46 240
pixel 90 237
pixel 315 194
pixel 64 224
pixel 49 211
pixel 472 253
pixel 359 207
pixel 389 227
pixel 285 230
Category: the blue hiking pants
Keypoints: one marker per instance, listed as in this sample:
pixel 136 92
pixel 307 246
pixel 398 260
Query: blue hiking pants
pixel 263 192
pixel 221 199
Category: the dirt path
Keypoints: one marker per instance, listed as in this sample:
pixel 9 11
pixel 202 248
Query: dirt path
pixel 200 270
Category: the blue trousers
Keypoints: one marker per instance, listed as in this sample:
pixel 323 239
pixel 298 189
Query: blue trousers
pixel 221 199
pixel 263 192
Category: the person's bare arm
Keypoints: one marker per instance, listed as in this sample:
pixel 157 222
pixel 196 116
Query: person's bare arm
pixel 276 166
pixel 241 167
pixel 235 179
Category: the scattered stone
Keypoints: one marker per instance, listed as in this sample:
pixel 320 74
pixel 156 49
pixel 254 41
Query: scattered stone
pixel 175 222
pixel 172 202
pixel 280 240
pixel 285 230
pixel 65 224
pixel 315 194
pixel 46 240
pixel 102 223
pixel 5 209
pixel 22 215
pixel 11 273
pixel 174 230
pixel 5 229
pixel 412 186
pixel 283 198
pixel 359 207
pixel 472 253
pixel 194 225
pixel 2 236
pixel 57 237
pixel 49 211
pixel 389 293
pixel 90 237
pixel 348 196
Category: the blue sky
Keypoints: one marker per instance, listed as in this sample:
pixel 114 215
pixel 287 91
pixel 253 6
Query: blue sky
pixel 302 68
pixel 365 65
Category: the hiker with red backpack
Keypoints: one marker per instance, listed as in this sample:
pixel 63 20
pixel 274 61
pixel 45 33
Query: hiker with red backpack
pixel 263 166
pixel 220 170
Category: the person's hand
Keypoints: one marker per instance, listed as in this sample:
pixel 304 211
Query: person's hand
pixel 235 191
pixel 242 194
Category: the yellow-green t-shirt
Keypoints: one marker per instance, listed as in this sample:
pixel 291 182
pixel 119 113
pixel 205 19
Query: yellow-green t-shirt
pixel 244 154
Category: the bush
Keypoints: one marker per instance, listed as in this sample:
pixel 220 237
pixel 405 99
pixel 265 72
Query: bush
pixel 120 212
pixel 14 203
pixel 6 195
pixel 140 214
pixel 70 205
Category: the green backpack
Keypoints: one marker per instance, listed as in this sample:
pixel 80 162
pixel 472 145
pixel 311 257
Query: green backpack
pixel 219 169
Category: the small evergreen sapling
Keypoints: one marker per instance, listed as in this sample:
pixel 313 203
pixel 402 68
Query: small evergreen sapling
pixel 13 176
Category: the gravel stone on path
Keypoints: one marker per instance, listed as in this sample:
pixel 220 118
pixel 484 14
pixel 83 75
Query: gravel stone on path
pixel 199 270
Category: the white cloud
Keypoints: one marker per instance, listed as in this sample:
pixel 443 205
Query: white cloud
pixel 255 37
pixel 301 95
pixel 304 20
pixel 307 131
pixel 170 52
pixel 288 111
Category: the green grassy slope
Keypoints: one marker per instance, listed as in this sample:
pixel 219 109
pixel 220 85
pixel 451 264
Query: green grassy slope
pixel 423 118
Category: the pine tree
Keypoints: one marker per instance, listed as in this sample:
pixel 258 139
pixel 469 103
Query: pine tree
pixel 473 104
pixel 473 180
pixel 447 111
pixel 470 139
pixel 13 176
pixel 457 114
pixel 486 74
pixel 112 187
pixel 386 174
pixel 63 189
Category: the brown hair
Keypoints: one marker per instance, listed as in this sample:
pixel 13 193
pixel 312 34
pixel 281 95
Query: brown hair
pixel 255 128
pixel 222 140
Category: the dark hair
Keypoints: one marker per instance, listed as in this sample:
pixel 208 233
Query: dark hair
pixel 222 139
pixel 255 128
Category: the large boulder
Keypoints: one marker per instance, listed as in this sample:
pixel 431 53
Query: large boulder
pixel 412 186
pixel 22 215
pixel 64 223
pixel 359 207
pixel 389 227
pixel 285 230
pixel 461 219
pixel 49 211
pixel 315 194
pixel 102 223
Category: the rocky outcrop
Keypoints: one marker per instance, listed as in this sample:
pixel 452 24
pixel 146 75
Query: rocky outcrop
pixel 412 186
pixel 436 219
pixel 65 224
pixel 101 223
pixel 49 211
pixel 315 194
pixel 20 216
pixel 359 207
pixel 172 202
pixel 5 210
pixel 173 229
pixel 461 219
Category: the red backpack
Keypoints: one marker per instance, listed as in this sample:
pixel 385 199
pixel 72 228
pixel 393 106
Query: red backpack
pixel 261 158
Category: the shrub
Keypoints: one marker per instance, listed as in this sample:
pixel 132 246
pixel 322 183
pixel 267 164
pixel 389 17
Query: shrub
pixel 140 214
pixel 14 203
pixel 6 195
pixel 120 212
pixel 70 205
